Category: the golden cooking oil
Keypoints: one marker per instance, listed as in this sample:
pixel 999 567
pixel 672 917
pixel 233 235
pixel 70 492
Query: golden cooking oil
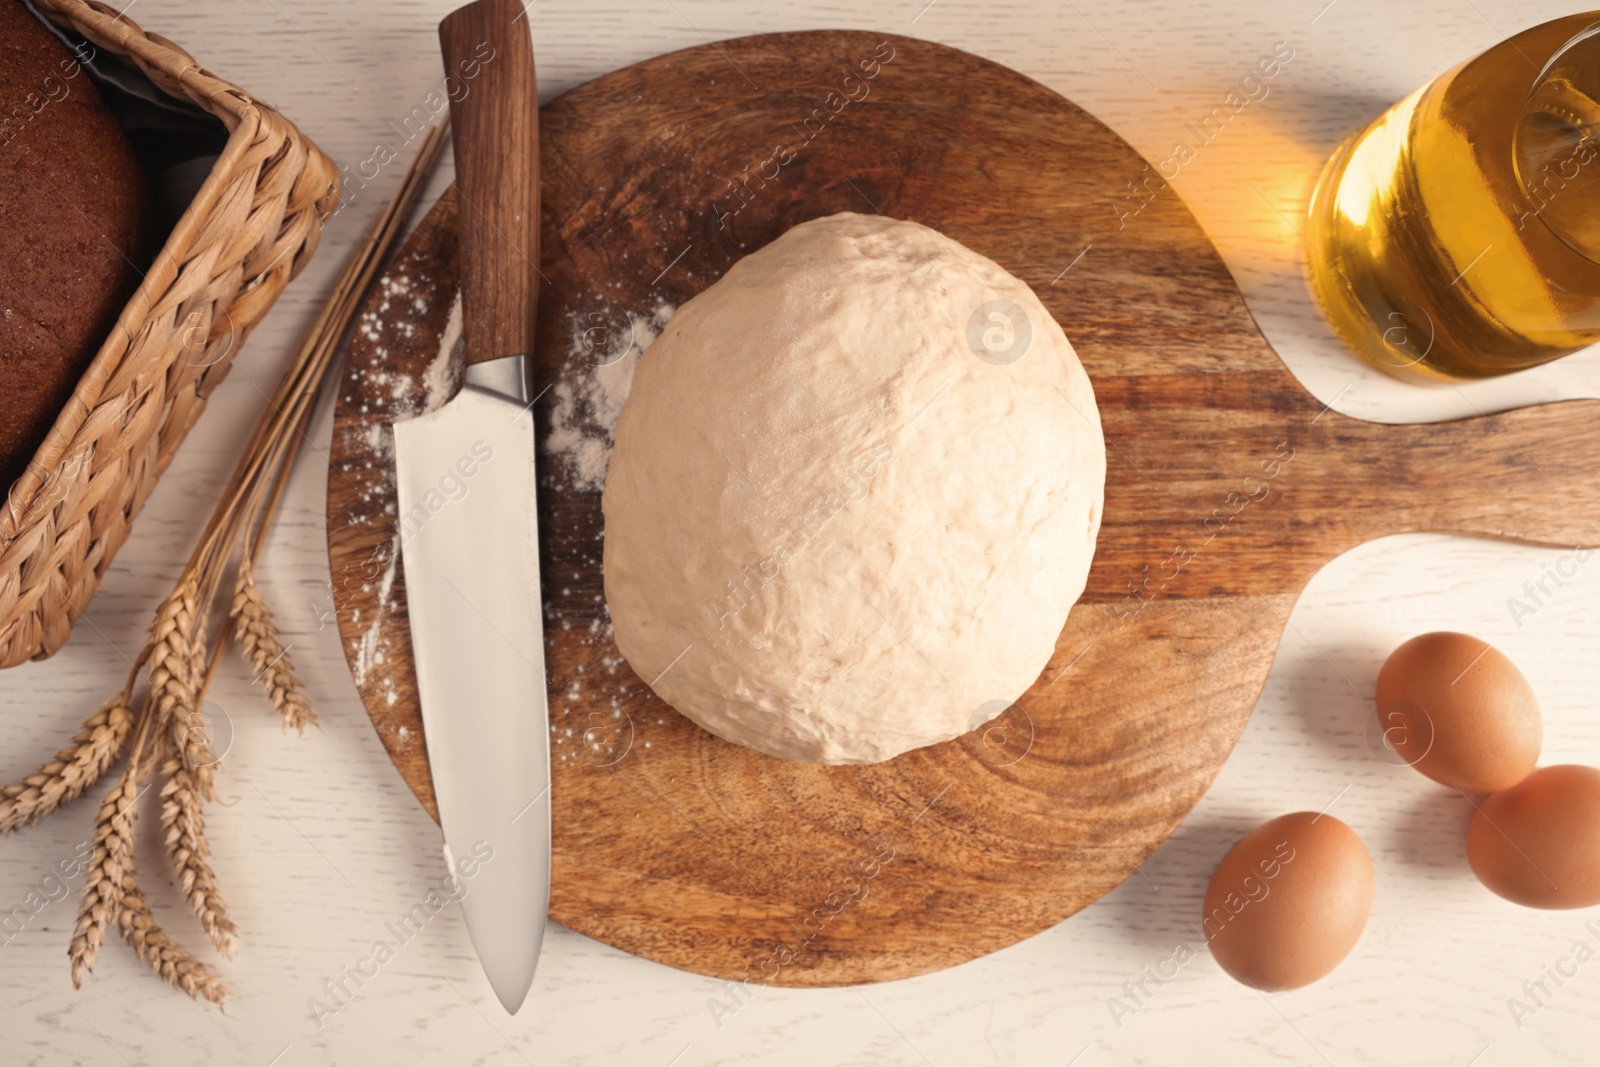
pixel 1458 236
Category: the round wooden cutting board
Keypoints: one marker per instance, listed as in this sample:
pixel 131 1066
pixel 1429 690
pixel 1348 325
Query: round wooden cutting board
pixel 1228 486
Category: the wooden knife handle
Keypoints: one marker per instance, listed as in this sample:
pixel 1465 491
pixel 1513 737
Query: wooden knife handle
pixel 494 110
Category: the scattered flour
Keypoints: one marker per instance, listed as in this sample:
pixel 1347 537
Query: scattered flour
pixel 437 379
pixel 373 650
pixel 378 439
pixel 588 403
pixel 584 407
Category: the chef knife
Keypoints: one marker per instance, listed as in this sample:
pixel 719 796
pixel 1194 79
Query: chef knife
pixel 469 541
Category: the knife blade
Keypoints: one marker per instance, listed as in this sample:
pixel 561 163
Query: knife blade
pixel 469 529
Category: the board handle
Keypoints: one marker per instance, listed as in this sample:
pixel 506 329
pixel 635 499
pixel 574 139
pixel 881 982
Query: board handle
pixel 1530 475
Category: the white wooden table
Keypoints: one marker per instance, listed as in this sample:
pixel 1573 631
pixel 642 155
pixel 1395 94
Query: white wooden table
pixel 319 845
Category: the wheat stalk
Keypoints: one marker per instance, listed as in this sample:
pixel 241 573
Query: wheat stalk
pixel 264 649
pixel 170 729
pixel 78 766
pixel 184 823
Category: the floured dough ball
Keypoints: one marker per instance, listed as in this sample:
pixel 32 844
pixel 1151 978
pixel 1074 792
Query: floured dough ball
pixel 855 490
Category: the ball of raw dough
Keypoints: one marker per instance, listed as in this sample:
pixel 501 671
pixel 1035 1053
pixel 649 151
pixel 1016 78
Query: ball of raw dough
pixel 854 492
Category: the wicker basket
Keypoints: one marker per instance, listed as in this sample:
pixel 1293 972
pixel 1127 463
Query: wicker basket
pixel 252 226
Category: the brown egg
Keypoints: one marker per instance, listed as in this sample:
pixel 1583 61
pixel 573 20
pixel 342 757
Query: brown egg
pixel 1538 843
pixel 1456 709
pixel 1289 901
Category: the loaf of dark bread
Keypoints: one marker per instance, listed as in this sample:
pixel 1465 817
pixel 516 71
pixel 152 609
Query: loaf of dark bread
pixel 75 226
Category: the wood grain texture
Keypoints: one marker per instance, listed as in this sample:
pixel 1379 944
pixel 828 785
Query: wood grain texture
pixel 494 109
pixel 1427 985
pixel 1228 488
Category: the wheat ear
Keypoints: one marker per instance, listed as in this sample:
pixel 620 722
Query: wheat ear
pixel 176 689
pixel 64 777
pixel 168 959
pixel 110 864
pixel 183 822
pixel 263 647
pixel 175 663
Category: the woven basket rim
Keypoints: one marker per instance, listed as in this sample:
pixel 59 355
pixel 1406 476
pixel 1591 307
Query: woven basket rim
pixel 243 116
